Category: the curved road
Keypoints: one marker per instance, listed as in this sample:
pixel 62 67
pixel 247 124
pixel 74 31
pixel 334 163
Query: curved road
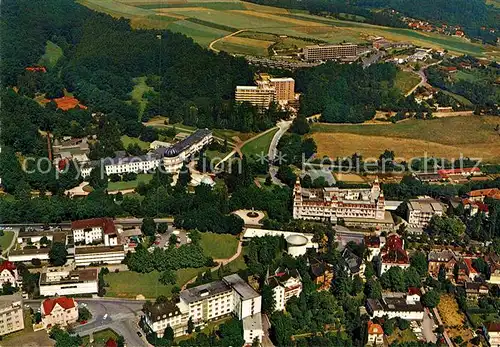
pixel 283 127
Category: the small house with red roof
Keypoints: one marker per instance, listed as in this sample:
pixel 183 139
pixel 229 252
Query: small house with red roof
pixel 66 103
pixel 480 194
pixel 393 254
pixel 94 231
pixel 111 343
pixel 375 334
pixel 60 311
pixel 36 69
pixel 8 273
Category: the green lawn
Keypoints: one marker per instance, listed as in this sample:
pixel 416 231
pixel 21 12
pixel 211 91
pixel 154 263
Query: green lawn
pixel 402 336
pixel 52 54
pixel 128 284
pixel 6 239
pixel 259 146
pixel 140 88
pixel 126 140
pixel 130 184
pixel 100 338
pixel 218 246
pixel 406 80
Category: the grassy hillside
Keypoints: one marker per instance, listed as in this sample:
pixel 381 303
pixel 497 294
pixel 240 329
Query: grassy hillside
pixel 472 136
pixel 208 20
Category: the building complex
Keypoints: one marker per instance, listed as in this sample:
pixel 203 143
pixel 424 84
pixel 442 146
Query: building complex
pixel 329 52
pixel 268 89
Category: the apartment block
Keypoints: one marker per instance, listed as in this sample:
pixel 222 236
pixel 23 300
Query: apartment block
pixel 328 52
pixel 421 211
pixel 11 313
pixel 285 88
pixel 260 96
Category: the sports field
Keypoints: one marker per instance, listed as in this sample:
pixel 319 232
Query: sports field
pixel 209 20
pixel 473 136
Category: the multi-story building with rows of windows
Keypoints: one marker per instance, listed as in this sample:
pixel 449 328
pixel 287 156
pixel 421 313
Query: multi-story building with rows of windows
pixel 328 52
pixel 208 302
pixel 361 206
pixel 11 313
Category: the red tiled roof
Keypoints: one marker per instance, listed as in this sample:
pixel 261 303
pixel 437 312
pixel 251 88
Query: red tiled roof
pixel 106 224
pixel 414 291
pixel 375 328
pixel 444 172
pixel 490 193
pixel 64 302
pixel 493 326
pixel 468 262
pixel 7 265
pixel 66 103
pixel 111 343
pixel 36 69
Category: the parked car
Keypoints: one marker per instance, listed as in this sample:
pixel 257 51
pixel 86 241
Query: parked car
pixel 139 334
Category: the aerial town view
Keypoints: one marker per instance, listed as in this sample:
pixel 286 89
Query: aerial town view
pixel 234 173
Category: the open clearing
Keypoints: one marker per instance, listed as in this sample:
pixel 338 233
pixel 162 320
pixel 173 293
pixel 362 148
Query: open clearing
pixel 260 145
pixel 52 54
pixel 218 246
pixel 218 18
pixel 144 178
pixel 406 80
pixel 443 137
pixel 137 93
pixel 127 140
pixel 129 284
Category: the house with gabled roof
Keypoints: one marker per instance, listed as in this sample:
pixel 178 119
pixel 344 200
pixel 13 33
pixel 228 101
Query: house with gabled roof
pixel 285 284
pixel 8 273
pixel 60 311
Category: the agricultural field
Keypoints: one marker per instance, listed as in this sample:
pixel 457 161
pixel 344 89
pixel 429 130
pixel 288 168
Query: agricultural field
pixel 209 20
pixel 442 137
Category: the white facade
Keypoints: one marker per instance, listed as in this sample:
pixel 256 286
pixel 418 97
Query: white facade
pixel 285 286
pixel 11 313
pixel 88 236
pixel 332 203
pixel 172 158
pixel 68 282
pixel 85 256
pixel 60 311
pixel 8 274
pixel 396 305
pixel 160 316
pixel 421 211
pixel 252 328
pixel 260 96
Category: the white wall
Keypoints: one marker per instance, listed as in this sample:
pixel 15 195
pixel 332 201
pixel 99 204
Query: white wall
pixel 68 289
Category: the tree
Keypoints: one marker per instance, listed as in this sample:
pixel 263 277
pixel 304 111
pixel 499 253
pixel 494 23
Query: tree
pixel 431 298
pixel 172 240
pixel 285 174
pixel 162 228
pixel 169 334
pixel 168 277
pixel 419 262
pixel 300 125
pixel 268 303
pixel 8 289
pixel 83 314
pixel 190 325
pixel 58 254
pixel 184 176
pixel 148 226
pixel 373 289
pixel 98 178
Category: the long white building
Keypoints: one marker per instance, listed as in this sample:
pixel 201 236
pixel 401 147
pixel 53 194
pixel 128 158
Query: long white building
pixel 394 305
pixel 98 255
pixel 54 282
pixel 171 157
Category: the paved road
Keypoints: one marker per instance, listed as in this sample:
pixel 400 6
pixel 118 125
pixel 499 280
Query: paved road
pixel 283 127
pixel 423 77
pixel 428 327
pixel 266 325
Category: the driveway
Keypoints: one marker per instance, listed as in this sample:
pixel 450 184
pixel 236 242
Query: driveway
pixel 283 127
pixel 428 327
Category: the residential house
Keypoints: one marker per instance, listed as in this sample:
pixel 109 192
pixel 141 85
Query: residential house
pixel 492 333
pixel 285 284
pixel 60 311
pixel 375 334
pixel 474 290
pixel 480 194
pixel 393 254
pixel 159 316
pixel 394 305
pixel 11 313
pixel 445 259
pixel 8 273
pixel 493 261
pixel 321 273
pixel 354 264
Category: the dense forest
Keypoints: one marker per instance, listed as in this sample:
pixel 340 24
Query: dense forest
pixel 470 15
pixel 102 56
pixel 349 93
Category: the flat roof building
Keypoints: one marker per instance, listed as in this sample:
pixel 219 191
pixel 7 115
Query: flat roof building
pixel 11 313
pixel 329 52
pixel 59 282
pixel 420 211
pixel 98 255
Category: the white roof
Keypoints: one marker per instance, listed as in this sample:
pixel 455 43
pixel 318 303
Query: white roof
pixel 251 232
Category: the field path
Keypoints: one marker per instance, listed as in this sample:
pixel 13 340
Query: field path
pixel 211 45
